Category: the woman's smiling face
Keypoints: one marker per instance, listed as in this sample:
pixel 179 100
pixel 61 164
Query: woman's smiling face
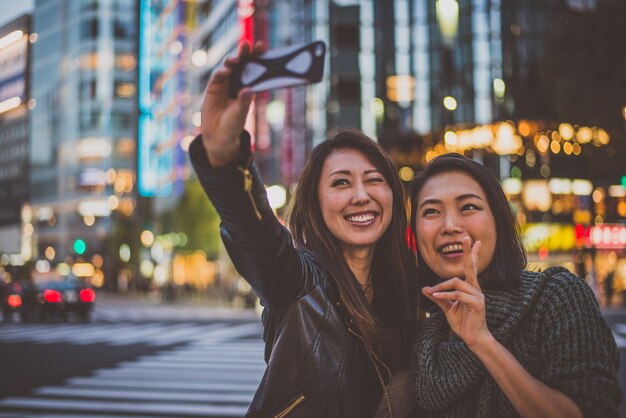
pixel 450 206
pixel 355 199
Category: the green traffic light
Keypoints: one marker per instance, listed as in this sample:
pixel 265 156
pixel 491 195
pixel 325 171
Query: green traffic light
pixel 624 182
pixel 80 246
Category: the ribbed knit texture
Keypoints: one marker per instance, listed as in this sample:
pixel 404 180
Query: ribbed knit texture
pixel 551 324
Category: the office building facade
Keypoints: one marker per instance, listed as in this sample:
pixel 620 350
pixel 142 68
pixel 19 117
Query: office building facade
pixel 83 125
pixel 15 232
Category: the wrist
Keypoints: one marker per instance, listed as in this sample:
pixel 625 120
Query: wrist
pixel 222 154
pixel 482 344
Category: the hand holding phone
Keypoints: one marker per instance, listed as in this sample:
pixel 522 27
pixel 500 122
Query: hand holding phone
pixel 280 67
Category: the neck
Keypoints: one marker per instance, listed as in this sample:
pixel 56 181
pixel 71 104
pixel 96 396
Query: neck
pixel 360 262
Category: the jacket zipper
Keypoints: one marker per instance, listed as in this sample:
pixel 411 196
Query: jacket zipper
pixel 290 407
pixel 247 186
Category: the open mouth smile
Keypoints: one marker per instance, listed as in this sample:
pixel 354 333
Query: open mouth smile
pixel 452 248
pixel 361 219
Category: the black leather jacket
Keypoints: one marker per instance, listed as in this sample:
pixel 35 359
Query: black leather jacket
pixel 316 365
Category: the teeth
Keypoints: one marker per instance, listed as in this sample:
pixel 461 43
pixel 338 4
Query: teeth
pixel 361 218
pixel 451 248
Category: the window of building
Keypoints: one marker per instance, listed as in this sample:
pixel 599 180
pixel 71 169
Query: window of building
pixel 89 28
pixel 346 37
pixel 125 61
pixel 125 90
pixel 121 120
pixel 123 29
pixel 88 89
pixel 89 5
pixel 349 90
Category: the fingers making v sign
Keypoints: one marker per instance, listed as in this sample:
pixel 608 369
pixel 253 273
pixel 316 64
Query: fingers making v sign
pixel 462 301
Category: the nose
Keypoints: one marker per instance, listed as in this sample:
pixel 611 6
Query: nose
pixel 361 196
pixel 451 224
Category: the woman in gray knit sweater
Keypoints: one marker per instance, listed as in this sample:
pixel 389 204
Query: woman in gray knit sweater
pixel 504 341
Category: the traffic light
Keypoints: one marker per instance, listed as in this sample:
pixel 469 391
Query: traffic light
pixel 80 246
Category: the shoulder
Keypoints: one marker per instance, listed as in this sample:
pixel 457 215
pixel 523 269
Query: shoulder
pixel 562 293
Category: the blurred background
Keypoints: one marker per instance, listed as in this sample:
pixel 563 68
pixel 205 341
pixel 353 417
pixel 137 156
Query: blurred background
pixel 99 100
pixel 103 220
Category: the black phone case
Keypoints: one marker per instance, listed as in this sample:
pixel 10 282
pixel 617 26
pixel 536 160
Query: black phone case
pixel 281 67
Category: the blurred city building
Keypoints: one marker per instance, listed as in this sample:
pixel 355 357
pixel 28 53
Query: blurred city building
pixel 530 88
pixel 82 128
pixel 505 82
pixel 15 230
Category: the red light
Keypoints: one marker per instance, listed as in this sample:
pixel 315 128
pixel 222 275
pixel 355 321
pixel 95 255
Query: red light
pixel 52 296
pixel 543 253
pixel 579 231
pixel 87 295
pixel 14 301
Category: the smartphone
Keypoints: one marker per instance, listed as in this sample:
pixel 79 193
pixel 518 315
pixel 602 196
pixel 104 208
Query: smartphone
pixel 280 67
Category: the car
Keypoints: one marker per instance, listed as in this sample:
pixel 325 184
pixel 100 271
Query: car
pixel 63 296
pixel 17 300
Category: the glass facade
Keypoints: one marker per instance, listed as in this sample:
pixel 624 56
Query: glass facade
pixel 14 115
pixel 83 126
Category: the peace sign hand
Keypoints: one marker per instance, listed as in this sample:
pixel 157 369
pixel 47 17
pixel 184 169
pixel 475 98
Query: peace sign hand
pixel 462 301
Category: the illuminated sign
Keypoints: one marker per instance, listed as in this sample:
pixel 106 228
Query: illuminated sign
pixel 609 236
pixel 246 21
pixel 551 237
pixel 160 159
pixel 13 68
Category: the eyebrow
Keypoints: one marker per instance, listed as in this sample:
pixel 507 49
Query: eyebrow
pixel 458 199
pixel 348 172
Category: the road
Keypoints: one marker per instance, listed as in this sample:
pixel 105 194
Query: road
pixel 140 359
pixel 135 359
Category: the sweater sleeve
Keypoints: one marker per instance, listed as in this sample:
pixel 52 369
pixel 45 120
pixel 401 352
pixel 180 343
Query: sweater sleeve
pixel 260 247
pixel 578 351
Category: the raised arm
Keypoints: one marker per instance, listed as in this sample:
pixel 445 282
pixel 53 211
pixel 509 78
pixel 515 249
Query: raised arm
pixel 259 246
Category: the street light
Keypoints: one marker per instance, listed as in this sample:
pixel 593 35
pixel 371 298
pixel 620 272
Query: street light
pixel 449 103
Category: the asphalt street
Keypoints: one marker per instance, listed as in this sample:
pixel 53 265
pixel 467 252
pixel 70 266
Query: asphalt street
pixel 139 358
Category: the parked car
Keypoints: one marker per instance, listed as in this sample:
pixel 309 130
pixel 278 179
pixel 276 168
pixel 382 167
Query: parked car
pixel 61 297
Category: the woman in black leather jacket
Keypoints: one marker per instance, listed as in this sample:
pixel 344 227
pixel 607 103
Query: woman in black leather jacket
pixel 339 306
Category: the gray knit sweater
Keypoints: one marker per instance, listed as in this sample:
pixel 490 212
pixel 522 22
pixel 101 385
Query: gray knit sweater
pixel 551 324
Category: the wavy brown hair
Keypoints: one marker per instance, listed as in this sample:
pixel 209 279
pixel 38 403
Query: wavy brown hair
pixel 387 326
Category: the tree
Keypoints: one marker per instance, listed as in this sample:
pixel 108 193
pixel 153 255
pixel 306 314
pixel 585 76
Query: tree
pixel 195 216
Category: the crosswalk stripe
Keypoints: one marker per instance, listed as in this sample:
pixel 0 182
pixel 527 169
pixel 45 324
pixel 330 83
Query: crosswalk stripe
pixel 141 334
pixel 22 328
pixel 191 375
pixel 142 395
pixel 106 382
pixel 192 332
pixel 156 334
pixel 156 408
pixel 158 364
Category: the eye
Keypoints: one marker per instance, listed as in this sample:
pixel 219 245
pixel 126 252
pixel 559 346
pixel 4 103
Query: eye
pixel 339 182
pixel 470 206
pixel 376 180
pixel 429 211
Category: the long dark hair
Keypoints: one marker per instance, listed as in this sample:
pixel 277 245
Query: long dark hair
pixel 394 299
pixel 509 257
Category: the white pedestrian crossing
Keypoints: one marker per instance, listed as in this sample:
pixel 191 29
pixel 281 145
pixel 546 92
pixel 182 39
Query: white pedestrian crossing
pixel 215 375
pixel 115 309
pixel 153 334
